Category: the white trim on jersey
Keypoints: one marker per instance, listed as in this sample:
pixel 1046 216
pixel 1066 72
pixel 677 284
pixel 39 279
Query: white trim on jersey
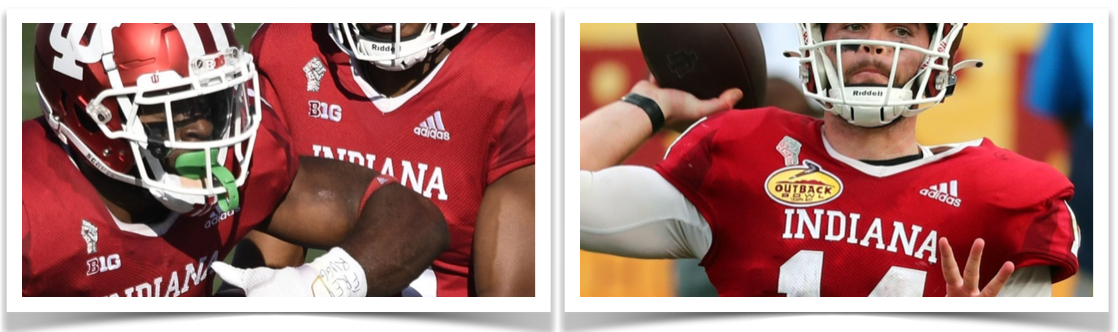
pixel 669 151
pixel 388 104
pixel 148 230
pixel 884 171
pixel 1075 231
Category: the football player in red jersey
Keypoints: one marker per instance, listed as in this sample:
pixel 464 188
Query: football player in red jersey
pixel 164 160
pixel 448 108
pixel 778 204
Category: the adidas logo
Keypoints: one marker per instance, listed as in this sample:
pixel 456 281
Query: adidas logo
pixel 433 128
pixel 946 192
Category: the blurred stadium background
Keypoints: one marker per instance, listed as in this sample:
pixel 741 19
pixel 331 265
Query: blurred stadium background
pixel 989 103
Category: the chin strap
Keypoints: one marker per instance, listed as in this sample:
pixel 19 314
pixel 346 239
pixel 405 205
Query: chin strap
pixel 192 165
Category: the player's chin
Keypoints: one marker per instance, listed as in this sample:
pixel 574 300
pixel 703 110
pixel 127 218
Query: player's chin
pixel 233 292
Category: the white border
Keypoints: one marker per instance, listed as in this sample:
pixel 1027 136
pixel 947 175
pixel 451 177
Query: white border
pixel 540 303
pixel 574 303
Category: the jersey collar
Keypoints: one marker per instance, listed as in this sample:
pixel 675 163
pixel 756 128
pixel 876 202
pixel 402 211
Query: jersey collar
pixel 884 171
pixel 388 104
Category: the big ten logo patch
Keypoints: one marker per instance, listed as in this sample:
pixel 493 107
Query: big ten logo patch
pixel 325 111
pixel 102 264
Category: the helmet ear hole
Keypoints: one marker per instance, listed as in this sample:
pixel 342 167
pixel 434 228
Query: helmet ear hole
pixel 85 120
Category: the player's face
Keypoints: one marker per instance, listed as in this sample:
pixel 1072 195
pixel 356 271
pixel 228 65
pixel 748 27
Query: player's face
pixel 871 64
pixel 198 119
pixel 387 31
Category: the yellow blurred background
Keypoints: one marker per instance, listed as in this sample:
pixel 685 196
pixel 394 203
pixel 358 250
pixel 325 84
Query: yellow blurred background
pixel 988 103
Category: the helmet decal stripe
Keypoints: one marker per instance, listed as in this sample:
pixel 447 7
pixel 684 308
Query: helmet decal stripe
pixel 218 33
pixel 189 34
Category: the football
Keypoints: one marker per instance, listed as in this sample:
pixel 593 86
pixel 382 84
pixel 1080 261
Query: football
pixel 705 59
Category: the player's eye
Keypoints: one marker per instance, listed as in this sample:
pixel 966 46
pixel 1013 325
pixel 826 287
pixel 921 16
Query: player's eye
pixel 853 27
pixel 902 32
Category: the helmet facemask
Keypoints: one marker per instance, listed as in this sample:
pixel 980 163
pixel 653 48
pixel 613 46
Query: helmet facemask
pixel 178 120
pixel 188 172
pixel 875 105
pixel 395 53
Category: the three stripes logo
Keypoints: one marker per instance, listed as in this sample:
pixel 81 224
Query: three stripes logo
pixel 946 192
pixel 433 128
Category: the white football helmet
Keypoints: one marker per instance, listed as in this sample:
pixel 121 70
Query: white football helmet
pixel 874 106
pixel 96 81
pixel 394 53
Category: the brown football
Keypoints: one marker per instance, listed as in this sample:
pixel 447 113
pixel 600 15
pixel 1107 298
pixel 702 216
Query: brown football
pixel 705 59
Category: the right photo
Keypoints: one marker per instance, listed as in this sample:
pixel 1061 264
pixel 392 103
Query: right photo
pixel 835 159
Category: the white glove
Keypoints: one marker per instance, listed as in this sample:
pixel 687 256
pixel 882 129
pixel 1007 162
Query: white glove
pixel 334 274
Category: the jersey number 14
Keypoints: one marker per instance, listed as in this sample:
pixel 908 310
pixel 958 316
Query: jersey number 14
pixel 802 274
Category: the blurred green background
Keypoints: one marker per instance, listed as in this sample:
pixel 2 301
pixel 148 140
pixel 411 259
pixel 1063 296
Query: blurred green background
pixel 31 99
pixel 31 109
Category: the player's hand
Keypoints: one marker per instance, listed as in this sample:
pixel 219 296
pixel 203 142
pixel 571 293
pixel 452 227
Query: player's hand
pixel 681 108
pixel 331 275
pixel 966 285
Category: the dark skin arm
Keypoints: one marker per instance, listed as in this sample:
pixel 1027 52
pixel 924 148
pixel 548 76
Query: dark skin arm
pixel 504 240
pixel 395 236
pixel 504 237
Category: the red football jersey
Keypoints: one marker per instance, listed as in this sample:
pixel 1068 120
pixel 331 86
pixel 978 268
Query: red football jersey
pixel 466 125
pixel 791 217
pixel 73 246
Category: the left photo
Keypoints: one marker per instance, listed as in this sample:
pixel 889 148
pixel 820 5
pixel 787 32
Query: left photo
pixel 292 160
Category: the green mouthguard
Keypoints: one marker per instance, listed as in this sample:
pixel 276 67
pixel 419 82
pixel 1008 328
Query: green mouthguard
pixel 192 165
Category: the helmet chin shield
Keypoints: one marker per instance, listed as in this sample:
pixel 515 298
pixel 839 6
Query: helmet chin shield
pixel 875 105
pixel 395 53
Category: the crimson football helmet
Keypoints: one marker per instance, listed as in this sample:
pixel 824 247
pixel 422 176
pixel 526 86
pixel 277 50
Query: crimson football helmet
pixel 394 53
pixel 873 106
pixel 97 81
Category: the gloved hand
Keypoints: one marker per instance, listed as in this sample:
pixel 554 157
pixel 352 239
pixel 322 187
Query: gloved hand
pixel 334 274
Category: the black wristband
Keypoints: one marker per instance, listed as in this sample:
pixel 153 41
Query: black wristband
pixel 649 106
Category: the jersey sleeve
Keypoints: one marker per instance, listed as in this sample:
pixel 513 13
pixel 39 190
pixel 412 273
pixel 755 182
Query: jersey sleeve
pixel 516 139
pixel 1051 239
pixel 1027 219
pixel 688 161
pixel 1042 229
pixel 272 169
